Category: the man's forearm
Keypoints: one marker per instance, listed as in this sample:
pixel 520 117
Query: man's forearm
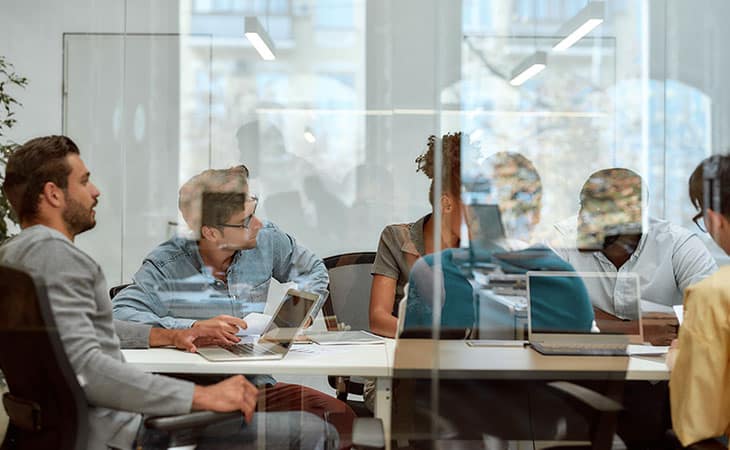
pixel 161 337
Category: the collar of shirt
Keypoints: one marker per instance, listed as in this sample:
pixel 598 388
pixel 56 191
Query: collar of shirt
pixel 416 245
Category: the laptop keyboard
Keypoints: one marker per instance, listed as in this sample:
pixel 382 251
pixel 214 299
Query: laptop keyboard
pixel 580 349
pixel 248 349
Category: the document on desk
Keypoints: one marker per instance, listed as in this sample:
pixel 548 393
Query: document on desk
pixel 345 338
pixel 679 312
pixel 495 343
pixel 256 322
pixel 647 350
pixel 307 349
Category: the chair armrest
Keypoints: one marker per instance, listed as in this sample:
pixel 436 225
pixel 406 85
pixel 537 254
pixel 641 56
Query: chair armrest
pixel 368 433
pixel 198 419
pixel 592 399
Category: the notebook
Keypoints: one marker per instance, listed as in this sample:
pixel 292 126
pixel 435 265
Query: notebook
pixel 345 337
pixel 606 338
pixel 278 336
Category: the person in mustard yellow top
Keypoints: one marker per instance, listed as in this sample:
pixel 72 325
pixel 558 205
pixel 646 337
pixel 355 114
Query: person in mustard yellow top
pixel 700 359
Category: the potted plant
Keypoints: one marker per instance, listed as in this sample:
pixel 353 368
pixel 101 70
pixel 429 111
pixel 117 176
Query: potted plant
pixel 8 79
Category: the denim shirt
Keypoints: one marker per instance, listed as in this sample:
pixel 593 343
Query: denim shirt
pixel 173 288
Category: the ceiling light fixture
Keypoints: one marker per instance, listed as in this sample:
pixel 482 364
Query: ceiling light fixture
pixel 259 38
pixel 528 68
pixel 579 25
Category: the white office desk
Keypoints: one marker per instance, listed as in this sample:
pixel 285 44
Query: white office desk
pixel 303 359
pixel 411 358
pixel 418 357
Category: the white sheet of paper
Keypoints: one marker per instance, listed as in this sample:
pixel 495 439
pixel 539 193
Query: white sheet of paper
pixel 647 350
pixel 679 311
pixel 256 322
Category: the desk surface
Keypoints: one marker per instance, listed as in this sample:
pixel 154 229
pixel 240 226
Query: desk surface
pixel 415 358
pixel 303 359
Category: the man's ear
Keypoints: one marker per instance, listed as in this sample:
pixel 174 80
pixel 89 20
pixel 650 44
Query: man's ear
pixel 209 233
pixel 53 195
pixel 715 221
pixel 446 203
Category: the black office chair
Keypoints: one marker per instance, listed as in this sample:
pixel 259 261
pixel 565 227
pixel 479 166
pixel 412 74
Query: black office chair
pixel 117 289
pixel 348 308
pixel 46 406
pixel 423 427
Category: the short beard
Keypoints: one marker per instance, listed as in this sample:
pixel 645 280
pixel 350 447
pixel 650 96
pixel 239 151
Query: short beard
pixel 77 219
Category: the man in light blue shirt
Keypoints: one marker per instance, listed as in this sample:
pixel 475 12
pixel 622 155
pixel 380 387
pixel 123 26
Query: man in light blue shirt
pixel 232 262
pixel 224 273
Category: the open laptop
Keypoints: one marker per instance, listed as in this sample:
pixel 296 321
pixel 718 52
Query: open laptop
pixel 608 336
pixel 278 336
pixel 486 227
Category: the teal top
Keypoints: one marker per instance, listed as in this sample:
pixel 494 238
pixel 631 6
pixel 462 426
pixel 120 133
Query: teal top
pixel 558 303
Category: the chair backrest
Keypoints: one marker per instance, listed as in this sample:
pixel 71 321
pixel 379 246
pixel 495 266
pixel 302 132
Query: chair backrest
pixel 349 299
pixel 116 289
pixel 46 405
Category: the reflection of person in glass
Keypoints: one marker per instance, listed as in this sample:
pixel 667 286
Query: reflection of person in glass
pixel 700 379
pixel 402 244
pixel 558 303
pixel 610 238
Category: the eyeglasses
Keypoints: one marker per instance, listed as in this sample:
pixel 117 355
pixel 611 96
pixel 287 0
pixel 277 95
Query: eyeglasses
pixel 699 220
pixel 247 220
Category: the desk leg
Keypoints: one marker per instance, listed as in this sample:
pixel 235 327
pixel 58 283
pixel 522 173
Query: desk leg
pixel 383 397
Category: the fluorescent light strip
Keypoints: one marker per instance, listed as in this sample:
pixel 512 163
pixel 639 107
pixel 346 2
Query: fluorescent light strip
pixel 260 46
pixel 527 74
pixel 259 38
pixel 432 112
pixel 576 35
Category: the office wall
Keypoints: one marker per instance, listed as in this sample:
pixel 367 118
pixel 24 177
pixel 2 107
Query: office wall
pixel 360 174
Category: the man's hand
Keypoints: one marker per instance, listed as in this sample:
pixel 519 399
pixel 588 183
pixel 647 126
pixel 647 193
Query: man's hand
pixel 189 339
pixel 231 394
pixel 227 324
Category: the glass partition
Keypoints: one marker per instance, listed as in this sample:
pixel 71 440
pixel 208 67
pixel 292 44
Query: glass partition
pixel 411 164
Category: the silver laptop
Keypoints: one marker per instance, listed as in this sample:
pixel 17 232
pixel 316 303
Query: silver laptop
pixel 551 332
pixel 278 336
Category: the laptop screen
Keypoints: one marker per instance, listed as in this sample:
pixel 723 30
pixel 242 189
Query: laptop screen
pixel 289 318
pixel 563 303
pixel 486 225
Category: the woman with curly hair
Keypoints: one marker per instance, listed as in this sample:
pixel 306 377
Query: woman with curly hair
pixel 402 244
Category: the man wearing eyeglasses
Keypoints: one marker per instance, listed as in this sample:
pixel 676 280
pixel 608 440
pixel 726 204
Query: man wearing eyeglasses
pixel 216 277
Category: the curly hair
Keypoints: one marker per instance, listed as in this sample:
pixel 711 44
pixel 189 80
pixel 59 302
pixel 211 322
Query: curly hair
pixel 450 145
